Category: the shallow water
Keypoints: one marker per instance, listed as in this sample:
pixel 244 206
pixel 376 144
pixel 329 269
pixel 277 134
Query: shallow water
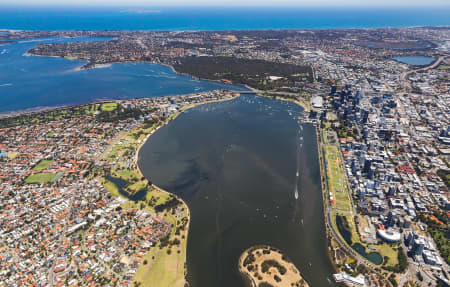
pixel 30 82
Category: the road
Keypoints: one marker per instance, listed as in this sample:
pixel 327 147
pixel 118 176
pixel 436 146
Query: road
pixel 329 214
pixel 61 239
pixel 406 84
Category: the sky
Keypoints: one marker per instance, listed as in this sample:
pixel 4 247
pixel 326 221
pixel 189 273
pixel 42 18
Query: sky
pixel 160 3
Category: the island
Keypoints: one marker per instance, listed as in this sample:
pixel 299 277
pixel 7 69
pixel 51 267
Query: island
pixel 266 266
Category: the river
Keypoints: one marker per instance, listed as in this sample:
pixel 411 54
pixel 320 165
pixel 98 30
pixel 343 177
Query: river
pixel 28 82
pixel 238 165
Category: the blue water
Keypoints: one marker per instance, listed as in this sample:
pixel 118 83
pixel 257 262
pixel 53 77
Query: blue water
pixel 30 82
pixel 220 18
pixel 415 60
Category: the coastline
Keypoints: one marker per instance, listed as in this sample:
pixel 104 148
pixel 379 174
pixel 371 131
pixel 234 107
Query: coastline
pixel 36 110
pixel 277 97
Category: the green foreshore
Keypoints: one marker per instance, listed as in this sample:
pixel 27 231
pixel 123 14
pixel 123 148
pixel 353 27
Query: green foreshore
pixel 163 265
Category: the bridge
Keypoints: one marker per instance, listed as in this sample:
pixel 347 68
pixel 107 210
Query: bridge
pixel 245 92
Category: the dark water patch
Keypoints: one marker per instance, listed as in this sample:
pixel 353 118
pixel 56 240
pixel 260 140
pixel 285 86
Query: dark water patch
pixel 235 164
pixel 121 184
pixel 343 228
pixel 345 231
pixel 373 257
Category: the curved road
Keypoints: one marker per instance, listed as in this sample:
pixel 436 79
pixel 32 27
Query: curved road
pixel 329 215
pixel 406 84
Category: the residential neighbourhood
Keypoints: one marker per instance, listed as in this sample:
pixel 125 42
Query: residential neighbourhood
pixel 383 133
pixel 60 226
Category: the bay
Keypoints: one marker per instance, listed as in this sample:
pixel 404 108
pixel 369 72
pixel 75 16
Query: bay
pixel 28 82
pixel 238 164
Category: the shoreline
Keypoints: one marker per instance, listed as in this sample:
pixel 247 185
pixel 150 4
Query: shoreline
pixel 324 190
pixel 39 109
pixel 280 98
pixel 36 110
pixel 138 168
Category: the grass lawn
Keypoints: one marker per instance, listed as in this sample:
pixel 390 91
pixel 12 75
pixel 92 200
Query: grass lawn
pixel 108 107
pixel 90 109
pixel 352 225
pixel 40 178
pixel 43 164
pixel 165 270
pixel 384 249
pixel 387 250
pixel 110 186
pixel 126 174
pixel 137 186
pixel 336 179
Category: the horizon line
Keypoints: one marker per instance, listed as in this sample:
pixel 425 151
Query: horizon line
pixel 266 5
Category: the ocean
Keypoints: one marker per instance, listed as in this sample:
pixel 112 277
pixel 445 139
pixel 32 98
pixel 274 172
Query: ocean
pixel 219 18
pixel 34 82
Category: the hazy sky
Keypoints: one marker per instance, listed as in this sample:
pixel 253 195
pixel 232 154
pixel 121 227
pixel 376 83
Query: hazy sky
pixel 150 3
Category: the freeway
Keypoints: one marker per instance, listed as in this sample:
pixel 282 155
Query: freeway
pixel 406 84
pixel 329 212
